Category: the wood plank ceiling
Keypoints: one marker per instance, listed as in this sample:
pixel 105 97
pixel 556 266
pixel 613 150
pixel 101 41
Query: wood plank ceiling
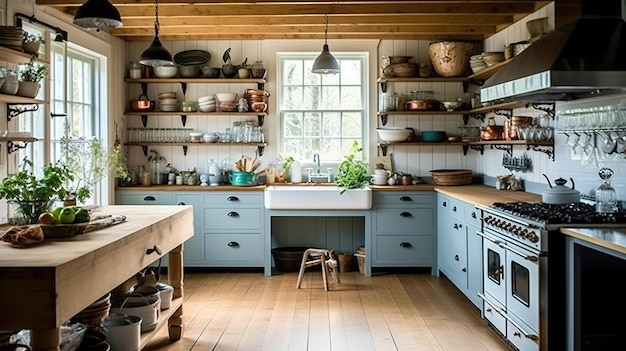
pixel 296 19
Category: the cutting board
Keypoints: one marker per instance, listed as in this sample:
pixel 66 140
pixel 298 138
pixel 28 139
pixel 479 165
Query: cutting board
pixel 67 230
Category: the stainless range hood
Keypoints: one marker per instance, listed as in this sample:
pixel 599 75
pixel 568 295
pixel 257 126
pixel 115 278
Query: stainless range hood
pixel 582 59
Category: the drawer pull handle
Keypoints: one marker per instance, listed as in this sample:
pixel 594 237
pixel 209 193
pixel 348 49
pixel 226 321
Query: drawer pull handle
pixel 474 215
pixel 405 244
pixel 458 226
pixel 456 257
pixel 445 204
pixel 233 244
pixel 454 208
pixel 233 214
pixel 464 270
pixel 154 249
pixel 149 198
pixel 181 204
pixel 405 214
pixel 405 198
pixel 232 198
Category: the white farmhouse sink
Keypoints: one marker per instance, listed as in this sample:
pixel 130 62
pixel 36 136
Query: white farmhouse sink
pixel 316 197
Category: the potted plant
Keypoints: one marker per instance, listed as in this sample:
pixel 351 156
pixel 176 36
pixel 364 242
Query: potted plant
pixel 31 43
pixel 33 195
pixel 352 171
pixel 243 70
pixel 30 75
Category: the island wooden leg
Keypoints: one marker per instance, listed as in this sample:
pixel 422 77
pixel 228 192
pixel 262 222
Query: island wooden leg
pixel 45 339
pixel 175 275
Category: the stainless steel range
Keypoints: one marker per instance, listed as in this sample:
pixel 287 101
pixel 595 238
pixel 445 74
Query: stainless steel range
pixel 524 268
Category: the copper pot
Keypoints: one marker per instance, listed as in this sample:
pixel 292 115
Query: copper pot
pixel 492 133
pixel 511 127
pixel 142 104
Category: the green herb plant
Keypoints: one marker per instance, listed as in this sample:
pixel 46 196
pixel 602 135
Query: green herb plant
pixel 352 171
pixel 32 194
pixel 32 38
pixel 33 72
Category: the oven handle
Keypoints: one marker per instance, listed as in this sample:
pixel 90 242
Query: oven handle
pixel 506 247
pixel 503 314
pixel 504 215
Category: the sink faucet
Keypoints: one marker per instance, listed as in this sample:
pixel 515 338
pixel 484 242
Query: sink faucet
pixel 316 158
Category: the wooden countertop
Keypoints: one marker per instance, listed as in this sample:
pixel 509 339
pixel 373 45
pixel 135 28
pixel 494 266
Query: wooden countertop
pixel 478 194
pixel 613 239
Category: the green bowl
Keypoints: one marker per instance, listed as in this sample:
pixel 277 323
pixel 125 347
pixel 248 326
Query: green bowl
pixel 242 178
pixel 433 136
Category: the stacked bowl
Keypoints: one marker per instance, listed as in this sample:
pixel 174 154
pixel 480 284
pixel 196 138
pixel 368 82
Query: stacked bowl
pixel 207 103
pixel 168 102
pixel 226 102
pixel 492 58
pixel 476 63
pixel 257 99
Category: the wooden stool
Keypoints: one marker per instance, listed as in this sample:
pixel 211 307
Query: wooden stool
pixel 325 258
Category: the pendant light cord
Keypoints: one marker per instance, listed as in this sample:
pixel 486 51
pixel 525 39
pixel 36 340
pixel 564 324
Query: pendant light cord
pixel 156 19
pixel 325 29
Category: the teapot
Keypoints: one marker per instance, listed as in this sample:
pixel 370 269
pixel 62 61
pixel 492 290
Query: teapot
pixel 559 193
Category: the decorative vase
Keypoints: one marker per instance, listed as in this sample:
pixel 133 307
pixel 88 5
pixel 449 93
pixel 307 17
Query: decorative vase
pixel 32 47
pixel 28 212
pixel 28 89
pixel 257 69
pixel 228 70
pixel 243 73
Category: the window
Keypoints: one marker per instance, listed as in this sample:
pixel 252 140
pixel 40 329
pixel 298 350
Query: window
pixel 321 114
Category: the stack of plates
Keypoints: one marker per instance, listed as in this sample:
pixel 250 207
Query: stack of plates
pixel 405 70
pixel 476 63
pixel 207 103
pixel 93 314
pixel 11 37
pixel 192 57
pixel 168 102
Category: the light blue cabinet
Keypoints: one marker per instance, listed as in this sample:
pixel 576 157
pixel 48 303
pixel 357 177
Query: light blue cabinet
pixel 459 248
pixel 194 255
pixel 233 225
pixel 403 229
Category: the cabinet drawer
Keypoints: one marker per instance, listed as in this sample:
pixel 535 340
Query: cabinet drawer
pixel 457 209
pixel 410 220
pixel 232 219
pixel 234 249
pixel 153 198
pixel 403 199
pixel 234 199
pixel 453 233
pixel 403 250
pixel 455 267
pixel 472 216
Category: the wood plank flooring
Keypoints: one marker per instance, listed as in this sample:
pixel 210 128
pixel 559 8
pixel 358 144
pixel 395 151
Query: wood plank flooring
pixel 395 311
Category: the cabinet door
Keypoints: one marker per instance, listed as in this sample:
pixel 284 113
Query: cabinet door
pixel 403 251
pixel 193 254
pixel 474 265
pixel 144 198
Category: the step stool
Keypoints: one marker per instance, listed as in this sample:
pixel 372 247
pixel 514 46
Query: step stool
pixel 325 258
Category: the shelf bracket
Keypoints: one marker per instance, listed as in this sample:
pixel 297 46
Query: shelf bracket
pixel 383 149
pixel 479 148
pixel 144 88
pixel 547 107
pixel 260 86
pixel 507 148
pixel 260 150
pixel 183 86
pixel 185 147
pixel 261 119
pixel 14 110
pixel 383 119
pixel 383 87
pixel 144 120
pixel 548 150
pixel 504 112
pixel 465 86
pixel 144 148
pixel 183 119
pixel 477 116
pixel 12 147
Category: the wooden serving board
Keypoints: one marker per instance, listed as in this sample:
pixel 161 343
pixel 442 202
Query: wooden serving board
pixel 67 230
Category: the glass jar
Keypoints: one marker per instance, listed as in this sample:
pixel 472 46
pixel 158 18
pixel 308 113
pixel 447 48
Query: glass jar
pixel 257 70
pixel 606 199
pixel 11 83
pixel 134 70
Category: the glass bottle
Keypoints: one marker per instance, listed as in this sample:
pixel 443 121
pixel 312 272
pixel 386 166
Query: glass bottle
pixel 134 70
pixel 606 199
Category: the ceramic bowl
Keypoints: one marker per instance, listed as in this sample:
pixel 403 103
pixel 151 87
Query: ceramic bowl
pixel 226 97
pixel 165 71
pixel 394 135
pixel 211 72
pixel 208 98
pixel 189 71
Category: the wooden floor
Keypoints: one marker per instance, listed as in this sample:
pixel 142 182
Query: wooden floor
pixel 399 311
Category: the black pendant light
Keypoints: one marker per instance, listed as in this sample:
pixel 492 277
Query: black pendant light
pixel 325 63
pixel 98 14
pixel 156 54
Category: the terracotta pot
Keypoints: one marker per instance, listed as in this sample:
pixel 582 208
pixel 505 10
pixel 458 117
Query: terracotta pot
pixel 28 89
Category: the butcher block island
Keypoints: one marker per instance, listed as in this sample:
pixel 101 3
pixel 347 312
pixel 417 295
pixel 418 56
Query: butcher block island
pixel 47 284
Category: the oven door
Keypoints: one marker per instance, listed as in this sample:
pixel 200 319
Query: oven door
pixel 522 285
pixel 494 267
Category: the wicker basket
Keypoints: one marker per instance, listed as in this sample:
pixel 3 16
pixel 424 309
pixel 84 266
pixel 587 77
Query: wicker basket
pixel 452 176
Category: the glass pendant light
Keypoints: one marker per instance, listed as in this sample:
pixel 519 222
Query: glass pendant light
pixel 325 63
pixel 98 14
pixel 156 54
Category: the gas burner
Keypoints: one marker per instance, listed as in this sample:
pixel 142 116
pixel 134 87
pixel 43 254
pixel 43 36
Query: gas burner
pixel 572 213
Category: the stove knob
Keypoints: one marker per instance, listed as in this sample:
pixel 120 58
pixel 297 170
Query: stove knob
pixel 516 230
pixel 533 237
pixel 524 233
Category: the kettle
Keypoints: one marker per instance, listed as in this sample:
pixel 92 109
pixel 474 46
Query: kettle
pixel 559 193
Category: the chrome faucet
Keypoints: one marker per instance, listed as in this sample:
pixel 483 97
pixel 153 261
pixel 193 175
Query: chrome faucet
pixel 316 158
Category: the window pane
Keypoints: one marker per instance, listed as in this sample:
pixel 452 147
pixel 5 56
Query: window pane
pixel 350 72
pixel 332 124
pixel 292 72
pixel 292 99
pixel 331 99
pixel 351 98
pixel 293 125
pixel 311 99
pixel 351 124
pixel 312 124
